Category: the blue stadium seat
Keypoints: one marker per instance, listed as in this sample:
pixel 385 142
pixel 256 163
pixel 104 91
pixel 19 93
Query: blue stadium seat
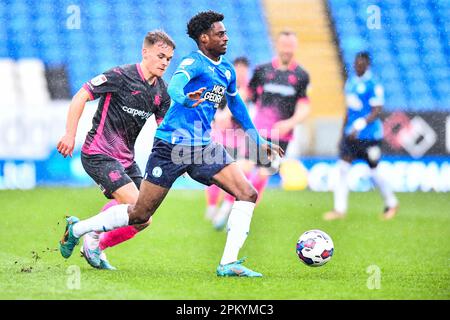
pixel 115 29
pixel 410 52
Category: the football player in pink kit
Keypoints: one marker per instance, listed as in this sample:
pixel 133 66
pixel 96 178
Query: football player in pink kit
pixel 129 95
pixel 279 91
pixel 226 131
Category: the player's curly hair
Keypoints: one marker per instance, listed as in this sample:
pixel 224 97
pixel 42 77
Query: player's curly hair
pixel 202 22
pixel 364 55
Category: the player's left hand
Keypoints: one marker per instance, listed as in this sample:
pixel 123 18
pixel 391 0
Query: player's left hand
pixel 196 96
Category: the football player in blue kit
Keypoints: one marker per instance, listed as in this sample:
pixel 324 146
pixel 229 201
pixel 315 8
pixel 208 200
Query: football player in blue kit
pixel 361 137
pixel 183 145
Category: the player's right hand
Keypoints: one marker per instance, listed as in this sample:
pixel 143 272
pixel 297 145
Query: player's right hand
pixel 272 149
pixel 66 145
pixel 196 96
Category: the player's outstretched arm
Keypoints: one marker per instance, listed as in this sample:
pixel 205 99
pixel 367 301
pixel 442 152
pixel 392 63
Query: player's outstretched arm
pixel 239 111
pixel 176 91
pixel 66 144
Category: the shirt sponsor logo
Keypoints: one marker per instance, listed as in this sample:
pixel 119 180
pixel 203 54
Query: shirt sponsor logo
pixel 215 95
pixel 279 89
pixel 137 113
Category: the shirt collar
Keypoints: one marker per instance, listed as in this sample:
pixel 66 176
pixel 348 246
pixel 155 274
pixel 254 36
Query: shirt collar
pixel 366 76
pixel 276 64
pixel 212 61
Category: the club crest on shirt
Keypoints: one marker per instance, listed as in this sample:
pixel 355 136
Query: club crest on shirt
pixel 98 80
pixel 157 100
pixel 361 88
pixel 157 172
pixel 228 74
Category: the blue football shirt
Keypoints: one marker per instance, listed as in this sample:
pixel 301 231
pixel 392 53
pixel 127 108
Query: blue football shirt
pixel 363 93
pixel 192 126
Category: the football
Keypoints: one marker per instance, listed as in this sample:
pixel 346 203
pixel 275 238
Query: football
pixel 315 248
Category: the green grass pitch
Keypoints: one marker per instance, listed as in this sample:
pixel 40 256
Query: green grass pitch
pixel 176 258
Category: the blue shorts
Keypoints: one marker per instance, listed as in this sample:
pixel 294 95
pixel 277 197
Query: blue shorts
pixel 169 161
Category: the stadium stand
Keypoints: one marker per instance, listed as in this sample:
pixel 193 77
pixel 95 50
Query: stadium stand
pixel 109 33
pixel 410 49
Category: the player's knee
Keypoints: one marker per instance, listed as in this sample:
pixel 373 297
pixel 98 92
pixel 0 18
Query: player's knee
pixel 248 193
pixel 138 216
pixel 142 226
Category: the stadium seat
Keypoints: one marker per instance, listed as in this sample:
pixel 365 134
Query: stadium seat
pixel 409 52
pixel 116 29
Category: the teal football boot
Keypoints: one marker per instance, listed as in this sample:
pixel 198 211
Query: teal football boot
pixel 69 241
pixel 236 269
pixel 90 250
pixel 104 264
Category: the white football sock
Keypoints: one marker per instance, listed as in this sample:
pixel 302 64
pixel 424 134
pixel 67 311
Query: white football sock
pixel 238 227
pixel 390 200
pixel 110 219
pixel 341 187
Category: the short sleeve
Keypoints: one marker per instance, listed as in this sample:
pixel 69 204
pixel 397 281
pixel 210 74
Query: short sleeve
pixel 302 87
pixel 109 81
pixel 191 66
pixel 376 98
pixel 255 82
